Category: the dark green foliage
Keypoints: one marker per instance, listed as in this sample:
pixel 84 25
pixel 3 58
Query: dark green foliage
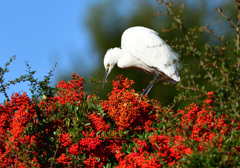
pixel 37 88
pixel 215 68
pixel 206 58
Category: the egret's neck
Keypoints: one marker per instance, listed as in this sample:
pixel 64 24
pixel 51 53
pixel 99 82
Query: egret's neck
pixel 116 54
pixel 126 60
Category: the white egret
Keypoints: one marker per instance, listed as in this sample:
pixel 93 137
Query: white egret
pixel 142 48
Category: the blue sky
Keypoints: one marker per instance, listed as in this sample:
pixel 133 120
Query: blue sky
pixel 43 33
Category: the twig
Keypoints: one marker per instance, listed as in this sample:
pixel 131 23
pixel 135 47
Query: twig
pixel 228 18
pixel 189 88
pixel 4 90
pixel 236 26
pixel 220 39
pixel 4 85
pixel 238 60
pixel 235 111
pixel 54 156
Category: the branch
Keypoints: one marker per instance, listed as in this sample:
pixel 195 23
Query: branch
pixel 228 18
pixel 238 60
pixel 4 86
pixel 220 39
pixel 236 26
pixel 193 89
pixel 3 89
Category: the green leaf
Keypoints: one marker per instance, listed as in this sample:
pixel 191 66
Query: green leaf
pixel 73 132
pixel 120 133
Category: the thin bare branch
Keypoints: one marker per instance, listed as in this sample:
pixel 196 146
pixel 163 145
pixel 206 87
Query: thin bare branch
pixel 236 26
pixel 227 18
pixel 220 39
pixel 191 88
pixel 238 59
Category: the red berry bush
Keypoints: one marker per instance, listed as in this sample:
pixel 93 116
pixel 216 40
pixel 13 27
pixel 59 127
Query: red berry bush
pixel 74 129
pixel 64 126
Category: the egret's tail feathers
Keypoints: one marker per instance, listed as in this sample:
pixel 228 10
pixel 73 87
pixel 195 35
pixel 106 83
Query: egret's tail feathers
pixel 173 81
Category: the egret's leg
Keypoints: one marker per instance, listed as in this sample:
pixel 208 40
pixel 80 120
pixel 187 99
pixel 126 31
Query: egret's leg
pixel 147 90
pixel 156 77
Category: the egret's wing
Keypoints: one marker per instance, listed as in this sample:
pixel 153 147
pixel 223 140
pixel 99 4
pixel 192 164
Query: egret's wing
pixel 147 46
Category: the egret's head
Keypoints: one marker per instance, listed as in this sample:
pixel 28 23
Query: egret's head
pixel 110 60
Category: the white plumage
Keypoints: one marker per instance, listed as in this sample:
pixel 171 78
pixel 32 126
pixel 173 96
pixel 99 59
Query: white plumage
pixel 143 49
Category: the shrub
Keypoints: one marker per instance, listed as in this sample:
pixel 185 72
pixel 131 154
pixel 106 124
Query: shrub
pixel 79 130
pixel 64 126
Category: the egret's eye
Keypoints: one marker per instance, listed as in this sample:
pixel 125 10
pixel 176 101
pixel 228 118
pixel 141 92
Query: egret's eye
pixel 107 66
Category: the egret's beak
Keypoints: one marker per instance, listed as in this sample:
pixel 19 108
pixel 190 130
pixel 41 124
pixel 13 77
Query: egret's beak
pixel 105 77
